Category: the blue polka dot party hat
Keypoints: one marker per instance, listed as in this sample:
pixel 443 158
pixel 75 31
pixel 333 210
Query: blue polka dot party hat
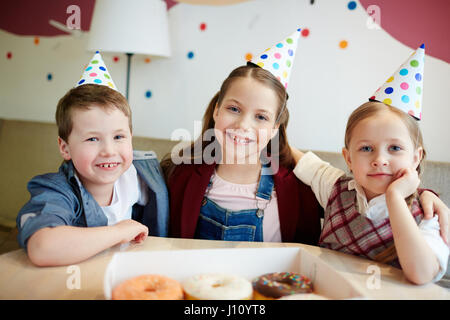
pixel 403 90
pixel 97 73
pixel 279 59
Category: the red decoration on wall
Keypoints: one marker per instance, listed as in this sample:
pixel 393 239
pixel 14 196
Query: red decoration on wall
pixel 30 17
pixel 413 22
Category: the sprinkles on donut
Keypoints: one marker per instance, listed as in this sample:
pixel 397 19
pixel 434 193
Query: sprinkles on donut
pixel 279 284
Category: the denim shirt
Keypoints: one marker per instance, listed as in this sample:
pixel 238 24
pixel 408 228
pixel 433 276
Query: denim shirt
pixel 56 199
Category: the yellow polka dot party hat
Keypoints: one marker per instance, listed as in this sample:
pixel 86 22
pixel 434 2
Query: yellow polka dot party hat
pixel 279 59
pixel 403 90
pixel 97 73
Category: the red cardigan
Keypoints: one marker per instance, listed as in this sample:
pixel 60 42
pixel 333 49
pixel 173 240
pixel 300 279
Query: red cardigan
pixel 298 209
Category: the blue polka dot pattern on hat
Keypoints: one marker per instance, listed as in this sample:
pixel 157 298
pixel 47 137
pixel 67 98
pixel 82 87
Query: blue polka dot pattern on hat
pixel 418 77
pixel 389 90
pixel 264 56
pixel 275 66
pixel 81 81
pixel 405 98
pixel 102 68
pixel 403 72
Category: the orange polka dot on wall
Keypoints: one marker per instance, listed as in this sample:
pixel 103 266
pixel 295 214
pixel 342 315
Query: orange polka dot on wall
pixel 343 44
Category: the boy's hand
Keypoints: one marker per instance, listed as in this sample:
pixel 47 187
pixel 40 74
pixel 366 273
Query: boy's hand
pixel 406 181
pixel 131 230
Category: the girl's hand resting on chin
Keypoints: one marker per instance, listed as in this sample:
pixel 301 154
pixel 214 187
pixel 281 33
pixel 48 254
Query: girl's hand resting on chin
pixel 406 181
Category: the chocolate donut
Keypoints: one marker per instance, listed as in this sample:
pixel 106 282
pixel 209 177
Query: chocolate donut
pixel 279 284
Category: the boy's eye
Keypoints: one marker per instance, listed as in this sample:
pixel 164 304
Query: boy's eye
pixel 92 139
pixel 118 137
pixel 395 148
pixel 365 149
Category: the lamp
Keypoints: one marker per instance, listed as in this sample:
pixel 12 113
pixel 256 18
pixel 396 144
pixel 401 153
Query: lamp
pixel 131 27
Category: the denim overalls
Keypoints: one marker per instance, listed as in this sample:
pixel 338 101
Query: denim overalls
pixel 217 223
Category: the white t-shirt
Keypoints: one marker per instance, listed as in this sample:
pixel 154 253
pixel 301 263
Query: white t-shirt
pixel 129 189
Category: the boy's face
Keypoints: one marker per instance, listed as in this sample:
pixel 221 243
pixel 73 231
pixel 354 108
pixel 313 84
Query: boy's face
pixel 100 145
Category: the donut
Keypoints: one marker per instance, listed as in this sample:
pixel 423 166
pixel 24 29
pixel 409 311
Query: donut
pixel 148 287
pixel 304 296
pixel 217 286
pixel 279 284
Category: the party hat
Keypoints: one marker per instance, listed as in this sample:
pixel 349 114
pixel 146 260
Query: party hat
pixel 403 90
pixel 96 73
pixel 280 58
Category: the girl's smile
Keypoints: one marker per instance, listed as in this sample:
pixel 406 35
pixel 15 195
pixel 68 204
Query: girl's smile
pixel 245 120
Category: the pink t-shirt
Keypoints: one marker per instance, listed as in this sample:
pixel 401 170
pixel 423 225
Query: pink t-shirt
pixel 236 197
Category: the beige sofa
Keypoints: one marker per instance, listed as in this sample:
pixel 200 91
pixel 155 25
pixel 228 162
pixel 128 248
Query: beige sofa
pixel 30 148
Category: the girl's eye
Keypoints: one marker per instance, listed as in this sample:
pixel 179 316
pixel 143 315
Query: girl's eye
pixel 365 149
pixel 92 139
pixel 233 109
pixel 261 117
pixel 118 137
pixel 395 148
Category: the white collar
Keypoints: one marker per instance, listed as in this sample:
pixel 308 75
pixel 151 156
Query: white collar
pixel 375 209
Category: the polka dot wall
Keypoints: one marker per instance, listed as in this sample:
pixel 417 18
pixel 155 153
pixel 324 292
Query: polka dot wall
pixel 338 56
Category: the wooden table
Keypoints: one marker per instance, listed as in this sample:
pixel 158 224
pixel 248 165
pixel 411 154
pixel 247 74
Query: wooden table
pixel 20 279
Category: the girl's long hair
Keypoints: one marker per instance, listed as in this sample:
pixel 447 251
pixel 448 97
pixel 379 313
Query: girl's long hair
pixel 283 157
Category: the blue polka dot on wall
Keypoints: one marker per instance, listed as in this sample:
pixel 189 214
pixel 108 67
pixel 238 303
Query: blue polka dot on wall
pixel 49 77
pixel 190 55
pixel 148 94
pixel 351 5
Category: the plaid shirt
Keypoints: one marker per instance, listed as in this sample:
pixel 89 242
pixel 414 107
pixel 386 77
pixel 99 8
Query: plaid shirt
pixel 346 230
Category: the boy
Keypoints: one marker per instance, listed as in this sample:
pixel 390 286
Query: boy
pixel 104 193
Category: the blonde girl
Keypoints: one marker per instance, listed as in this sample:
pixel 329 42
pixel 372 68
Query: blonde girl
pixel 376 213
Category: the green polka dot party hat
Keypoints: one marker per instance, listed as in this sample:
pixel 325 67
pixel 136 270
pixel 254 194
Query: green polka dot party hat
pixel 279 59
pixel 403 90
pixel 97 73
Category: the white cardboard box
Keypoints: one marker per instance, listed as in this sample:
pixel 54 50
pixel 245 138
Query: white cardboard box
pixel 246 262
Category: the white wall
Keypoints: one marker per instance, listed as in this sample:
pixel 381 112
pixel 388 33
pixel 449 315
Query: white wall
pixel 327 82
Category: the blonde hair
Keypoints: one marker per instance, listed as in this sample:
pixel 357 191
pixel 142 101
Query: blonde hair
pixel 84 97
pixel 370 109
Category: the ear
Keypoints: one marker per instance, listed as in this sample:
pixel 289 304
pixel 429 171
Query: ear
pixel 418 155
pixel 346 155
pixel 64 149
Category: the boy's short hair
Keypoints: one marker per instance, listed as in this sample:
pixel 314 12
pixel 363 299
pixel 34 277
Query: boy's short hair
pixel 85 97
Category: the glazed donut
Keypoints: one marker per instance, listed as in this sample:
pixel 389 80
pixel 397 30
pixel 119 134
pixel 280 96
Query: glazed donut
pixel 279 284
pixel 217 286
pixel 304 296
pixel 148 287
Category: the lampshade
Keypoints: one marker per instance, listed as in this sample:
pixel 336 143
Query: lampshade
pixel 137 26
